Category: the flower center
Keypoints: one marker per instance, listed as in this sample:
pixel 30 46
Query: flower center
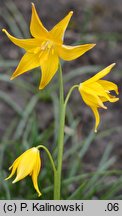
pixel 45 48
pixel 46 45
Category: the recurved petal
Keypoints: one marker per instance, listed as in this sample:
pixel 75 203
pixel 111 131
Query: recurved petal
pixel 97 89
pixel 112 98
pixel 97 117
pixel 109 86
pixel 35 174
pixel 36 27
pixel 69 53
pixel 100 74
pixel 23 43
pixel 93 102
pixel 49 67
pixel 57 33
pixel 28 62
pixel 14 168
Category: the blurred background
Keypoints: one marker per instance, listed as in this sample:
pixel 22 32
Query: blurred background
pixel 92 162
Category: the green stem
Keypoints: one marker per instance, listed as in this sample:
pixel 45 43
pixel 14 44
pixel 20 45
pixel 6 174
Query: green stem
pixel 62 111
pixel 68 95
pixel 57 186
pixel 50 157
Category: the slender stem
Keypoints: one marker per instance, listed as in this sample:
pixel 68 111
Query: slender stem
pixel 62 110
pixel 50 157
pixel 68 95
pixel 57 186
pixel 61 88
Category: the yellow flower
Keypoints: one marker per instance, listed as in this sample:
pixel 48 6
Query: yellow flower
pixel 28 163
pixel 45 48
pixel 95 91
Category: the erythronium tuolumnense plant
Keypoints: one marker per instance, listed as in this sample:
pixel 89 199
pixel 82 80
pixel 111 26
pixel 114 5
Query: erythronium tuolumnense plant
pixel 44 50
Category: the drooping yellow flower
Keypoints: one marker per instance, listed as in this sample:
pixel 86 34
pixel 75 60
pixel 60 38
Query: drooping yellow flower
pixel 45 48
pixel 95 91
pixel 29 163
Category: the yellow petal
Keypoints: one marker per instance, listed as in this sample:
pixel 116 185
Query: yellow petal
pixel 36 27
pixel 28 62
pixel 14 168
pixel 49 67
pixel 91 98
pixel 108 86
pixel 97 89
pixel 93 102
pixel 69 53
pixel 26 164
pixel 57 33
pixel 35 174
pixel 15 165
pixel 97 117
pixel 112 98
pixel 23 43
pixel 101 74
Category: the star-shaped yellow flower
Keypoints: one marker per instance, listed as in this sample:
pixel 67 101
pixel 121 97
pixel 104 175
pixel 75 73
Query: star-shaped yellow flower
pixel 45 48
pixel 95 91
pixel 29 163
